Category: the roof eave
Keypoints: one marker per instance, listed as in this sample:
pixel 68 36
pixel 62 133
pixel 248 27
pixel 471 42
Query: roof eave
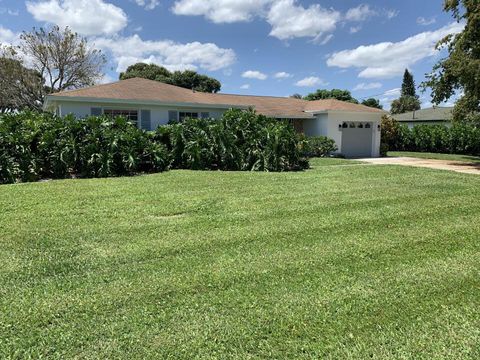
pixel 316 112
pixel 81 99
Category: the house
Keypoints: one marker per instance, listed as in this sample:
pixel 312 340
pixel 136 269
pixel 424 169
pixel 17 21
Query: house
pixel 355 128
pixel 431 116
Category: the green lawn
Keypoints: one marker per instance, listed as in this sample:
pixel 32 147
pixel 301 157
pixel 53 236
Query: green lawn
pixel 336 262
pixel 465 158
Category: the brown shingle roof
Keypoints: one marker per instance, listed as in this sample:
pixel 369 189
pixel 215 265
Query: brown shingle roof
pixel 337 105
pixel 149 90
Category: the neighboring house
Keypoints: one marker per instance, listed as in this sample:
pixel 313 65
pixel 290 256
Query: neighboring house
pixel 355 128
pixel 431 116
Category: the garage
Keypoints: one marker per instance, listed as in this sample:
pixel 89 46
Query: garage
pixel 357 139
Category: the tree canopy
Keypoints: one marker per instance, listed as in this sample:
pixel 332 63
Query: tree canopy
pixel 373 103
pixel 405 104
pixel 408 100
pixel 460 71
pixel 408 84
pixel 187 79
pixel 62 57
pixel 20 87
pixel 343 95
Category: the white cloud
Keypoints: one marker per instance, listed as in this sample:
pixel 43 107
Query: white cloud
pixel 391 13
pixel 325 40
pixel 355 29
pixel 245 87
pixel 387 59
pixel 311 81
pixel 174 56
pixel 289 20
pixel 8 11
pixel 148 4
pixel 282 75
pixel 253 74
pixel 360 13
pixel 107 79
pixel 388 96
pixel 367 86
pixel 7 36
pixel 221 11
pixel 392 93
pixel 425 22
pixel 88 17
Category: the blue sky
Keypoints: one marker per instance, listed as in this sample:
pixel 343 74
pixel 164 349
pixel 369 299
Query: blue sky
pixel 261 47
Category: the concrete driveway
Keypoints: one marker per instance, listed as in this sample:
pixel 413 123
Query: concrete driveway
pixel 458 166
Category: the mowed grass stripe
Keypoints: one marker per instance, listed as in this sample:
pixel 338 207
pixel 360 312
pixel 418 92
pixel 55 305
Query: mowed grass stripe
pixel 335 262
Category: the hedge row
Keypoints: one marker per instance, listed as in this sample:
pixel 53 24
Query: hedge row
pixel 35 146
pixel 239 141
pixel 458 139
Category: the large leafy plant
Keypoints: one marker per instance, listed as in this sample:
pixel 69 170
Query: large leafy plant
pixel 241 140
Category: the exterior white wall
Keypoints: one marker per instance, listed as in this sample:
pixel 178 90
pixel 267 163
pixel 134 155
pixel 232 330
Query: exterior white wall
pixel 328 124
pixel 159 114
pixel 336 119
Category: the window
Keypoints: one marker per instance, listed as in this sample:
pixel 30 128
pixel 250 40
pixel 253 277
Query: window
pixel 130 115
pixel 367 126
pixel 183 115
pixel 352 125
pixel 297 124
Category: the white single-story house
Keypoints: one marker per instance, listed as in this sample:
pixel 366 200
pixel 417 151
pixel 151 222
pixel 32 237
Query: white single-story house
pixel 431 116
pixel 355 128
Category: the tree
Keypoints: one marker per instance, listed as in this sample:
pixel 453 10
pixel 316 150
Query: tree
pixel 405 104
pixel 20 87
pixel 187 79
pixel 147 71
pixel 408 100
pixel 296 96
pixel 62 57
pixel 343 95
pixel 192 80
pixel 371 102
pixel 408 85
pixel 460 71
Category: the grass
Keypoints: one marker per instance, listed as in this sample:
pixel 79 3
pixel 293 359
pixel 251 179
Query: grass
pixel 335 262
pixel 452 157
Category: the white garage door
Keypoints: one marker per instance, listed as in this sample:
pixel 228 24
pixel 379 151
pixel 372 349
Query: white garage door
pixel 357 139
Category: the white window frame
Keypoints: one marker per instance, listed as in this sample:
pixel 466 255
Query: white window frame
pixel 135 122
pixel 182 115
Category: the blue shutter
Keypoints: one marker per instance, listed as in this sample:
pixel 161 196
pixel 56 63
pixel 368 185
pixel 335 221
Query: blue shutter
pixel 205 115
pixel 172 116
pixel 146 120
pixel 95 111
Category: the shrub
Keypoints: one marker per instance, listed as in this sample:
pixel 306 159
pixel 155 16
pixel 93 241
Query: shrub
pixel 390 132
pixel 383 149
pixel 241 140
pixel 41 145
pixel 319 146
pixel 458 139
